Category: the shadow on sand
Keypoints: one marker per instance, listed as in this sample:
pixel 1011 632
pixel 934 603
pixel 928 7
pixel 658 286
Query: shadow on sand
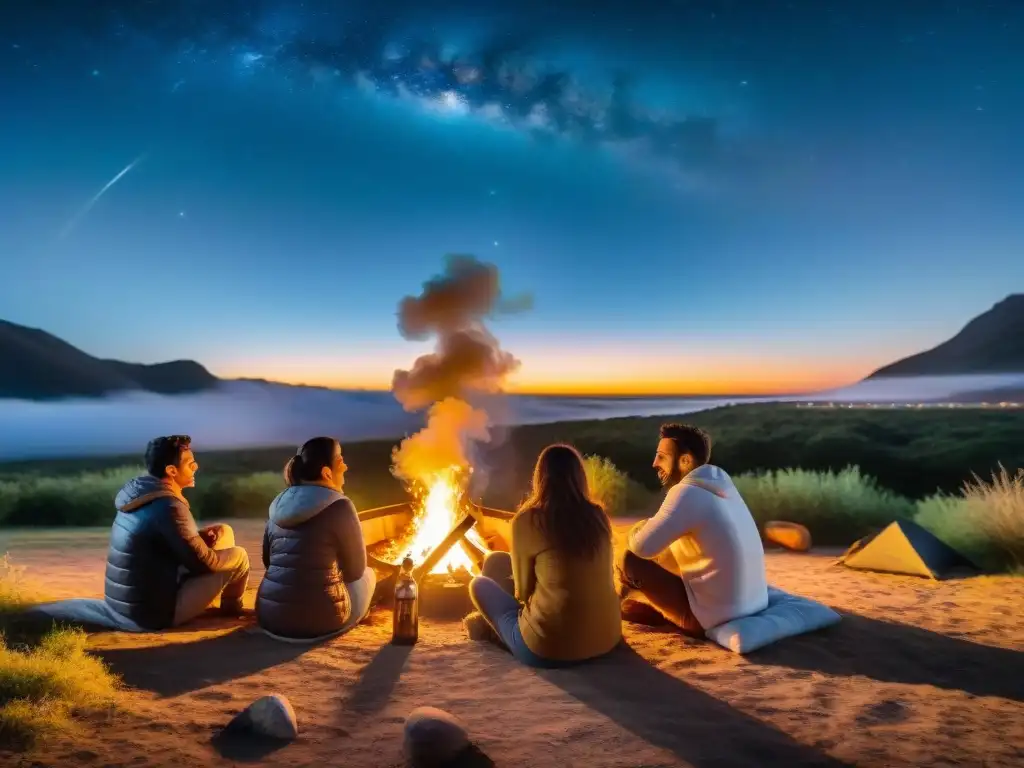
pixel 669 714
pixel 471 757
pixel 174 668
pixel 245 747
pixel 378 679
pixel 899 653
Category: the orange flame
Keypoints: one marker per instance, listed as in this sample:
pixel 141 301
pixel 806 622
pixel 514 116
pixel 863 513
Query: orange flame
pixel 439 505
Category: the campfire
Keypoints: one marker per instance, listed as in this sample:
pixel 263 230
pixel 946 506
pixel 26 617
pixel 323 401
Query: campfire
pixel 446 536
pixel 442 538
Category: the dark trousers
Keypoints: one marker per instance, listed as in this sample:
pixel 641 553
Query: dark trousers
pixel 663 589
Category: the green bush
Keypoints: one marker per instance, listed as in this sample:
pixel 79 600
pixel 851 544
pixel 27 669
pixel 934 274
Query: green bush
pixel 985 522
pixel 837 507
pixel 227 497
pixel 45 682
pixel 87 498
pixel 43 687
pixel 82 499
pixel 614 490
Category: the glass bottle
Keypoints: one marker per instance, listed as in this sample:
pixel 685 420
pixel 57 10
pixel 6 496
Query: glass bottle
pixel 405 629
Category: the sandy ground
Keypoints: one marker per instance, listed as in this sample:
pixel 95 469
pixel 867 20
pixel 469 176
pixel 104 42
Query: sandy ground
pixel 918 673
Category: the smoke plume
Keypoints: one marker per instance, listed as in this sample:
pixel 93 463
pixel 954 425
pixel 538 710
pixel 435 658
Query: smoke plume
pixel 444 443
pixel 467 360
pixel 467 357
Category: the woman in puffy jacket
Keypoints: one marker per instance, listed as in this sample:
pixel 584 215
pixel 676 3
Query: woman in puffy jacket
pixel 317 583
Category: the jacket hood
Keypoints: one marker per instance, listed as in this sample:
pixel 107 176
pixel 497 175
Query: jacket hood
pixel 299 503
pixel 712 479
pixel 139 491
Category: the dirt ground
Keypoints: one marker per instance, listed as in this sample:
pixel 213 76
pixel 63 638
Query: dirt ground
pixel 918 673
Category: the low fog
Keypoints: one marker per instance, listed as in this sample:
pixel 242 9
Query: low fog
pixel 249 414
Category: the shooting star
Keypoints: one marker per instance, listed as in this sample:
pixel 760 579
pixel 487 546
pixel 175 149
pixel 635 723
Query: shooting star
pixel 88 206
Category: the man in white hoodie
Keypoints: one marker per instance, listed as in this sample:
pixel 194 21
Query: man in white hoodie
pixel 704 534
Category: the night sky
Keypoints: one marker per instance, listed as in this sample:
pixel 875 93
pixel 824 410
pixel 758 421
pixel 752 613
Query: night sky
pixel 699 196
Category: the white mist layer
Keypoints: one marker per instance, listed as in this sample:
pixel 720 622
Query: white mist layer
pixel 250 414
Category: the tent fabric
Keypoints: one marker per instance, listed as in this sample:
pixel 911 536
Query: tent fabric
pixel 904 547
pixel 787 615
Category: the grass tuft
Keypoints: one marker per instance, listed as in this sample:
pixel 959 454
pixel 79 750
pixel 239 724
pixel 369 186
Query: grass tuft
pixel 47 683
pixel 985 522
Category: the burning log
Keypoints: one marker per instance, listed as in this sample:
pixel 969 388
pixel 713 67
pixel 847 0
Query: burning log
pixel 460 529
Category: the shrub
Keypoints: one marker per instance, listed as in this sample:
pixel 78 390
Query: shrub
pixel 46 683
pixel 43 687
pixel 837 507
pixel 986 522
pixel 82 499
pixel 243 496
pixel 614 490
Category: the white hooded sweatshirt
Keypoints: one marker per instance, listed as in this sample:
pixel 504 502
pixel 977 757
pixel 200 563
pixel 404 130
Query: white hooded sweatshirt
pixel 713 538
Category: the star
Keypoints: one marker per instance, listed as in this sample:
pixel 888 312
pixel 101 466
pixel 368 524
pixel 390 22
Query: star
pixel 181 214
pixel 495 243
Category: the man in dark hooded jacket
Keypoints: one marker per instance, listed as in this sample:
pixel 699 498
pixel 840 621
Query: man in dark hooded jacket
pixel 162 571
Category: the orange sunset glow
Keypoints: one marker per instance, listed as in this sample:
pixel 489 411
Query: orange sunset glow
pixel 617 373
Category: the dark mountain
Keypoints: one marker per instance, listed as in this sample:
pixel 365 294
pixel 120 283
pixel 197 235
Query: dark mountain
pixel 35 365
pixel 993 342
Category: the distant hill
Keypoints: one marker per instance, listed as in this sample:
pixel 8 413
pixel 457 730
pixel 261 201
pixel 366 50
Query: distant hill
pixel 993 342
pixel 36 365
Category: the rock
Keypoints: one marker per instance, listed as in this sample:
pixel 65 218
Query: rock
pixel 792 536
pixel 270 716
pixel 433 737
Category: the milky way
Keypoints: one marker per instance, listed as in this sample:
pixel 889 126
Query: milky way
pixel 502 77
pixel 701 195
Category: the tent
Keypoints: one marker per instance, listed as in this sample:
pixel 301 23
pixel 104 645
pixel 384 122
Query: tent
pixel 905 547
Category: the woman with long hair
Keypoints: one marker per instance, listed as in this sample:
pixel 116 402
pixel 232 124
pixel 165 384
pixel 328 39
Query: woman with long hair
pixel 317 583
pixel 552 600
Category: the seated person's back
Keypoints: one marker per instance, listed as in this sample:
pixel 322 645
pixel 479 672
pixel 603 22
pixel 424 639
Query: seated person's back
pixel 161 569
pixel 571 610
pixel 715 544
pixel 717 570
pixel 317 581
pixel 552 600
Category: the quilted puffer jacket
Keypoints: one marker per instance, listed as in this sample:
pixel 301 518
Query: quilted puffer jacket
pixel 312 546
pixel 153 538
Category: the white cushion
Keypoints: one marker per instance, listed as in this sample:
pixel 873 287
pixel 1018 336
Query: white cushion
pixel 786 616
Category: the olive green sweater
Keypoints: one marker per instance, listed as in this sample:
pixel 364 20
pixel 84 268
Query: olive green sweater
pixel 571 608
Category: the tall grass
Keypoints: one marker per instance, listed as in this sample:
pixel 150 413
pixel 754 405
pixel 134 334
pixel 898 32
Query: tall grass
pixel 614 490
pixel 985 522
pixel 46 683
pixel 87 498
pixel 837 507
pixel 82 499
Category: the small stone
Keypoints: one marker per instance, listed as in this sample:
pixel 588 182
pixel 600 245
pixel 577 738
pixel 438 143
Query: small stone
pixel 433 737
pixel 270 716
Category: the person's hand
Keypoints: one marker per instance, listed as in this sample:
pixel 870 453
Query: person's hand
pixel 210 536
